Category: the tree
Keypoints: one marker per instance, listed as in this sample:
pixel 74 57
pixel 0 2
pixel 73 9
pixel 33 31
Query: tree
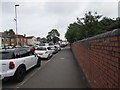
pixel 73 33
pixel 109 24
pixel 90 25
pixel 9 32
pixel 53 36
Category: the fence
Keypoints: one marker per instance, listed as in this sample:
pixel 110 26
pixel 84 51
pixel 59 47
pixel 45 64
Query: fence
pixel 99 57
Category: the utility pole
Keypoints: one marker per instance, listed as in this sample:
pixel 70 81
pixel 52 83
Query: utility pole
pixel 16 23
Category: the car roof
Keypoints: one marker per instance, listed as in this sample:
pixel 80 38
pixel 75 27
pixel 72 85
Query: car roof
pixel 6 50
pixel 43 46
pixel 12 50
pixel 51 46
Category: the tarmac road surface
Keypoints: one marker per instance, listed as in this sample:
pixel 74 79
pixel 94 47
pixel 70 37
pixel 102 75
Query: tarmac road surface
pixel 61 71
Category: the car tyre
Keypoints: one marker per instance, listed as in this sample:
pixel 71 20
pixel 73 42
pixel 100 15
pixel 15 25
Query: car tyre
pixel 48 57
pixel 20 74
pixel 38 63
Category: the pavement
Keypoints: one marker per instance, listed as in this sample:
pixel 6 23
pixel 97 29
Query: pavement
pixel 61 71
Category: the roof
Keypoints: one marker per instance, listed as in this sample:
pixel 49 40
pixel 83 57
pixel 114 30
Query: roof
pixel 43 39
pixel 20 36
pixel 29 37
pixel 4 35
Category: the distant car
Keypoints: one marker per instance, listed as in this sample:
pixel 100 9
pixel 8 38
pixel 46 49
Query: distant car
pixel 44 52
pixel 51 44
pixel 58 46
pixel 54 49
pixel 32 48
pixel 15 63
pixel 43 44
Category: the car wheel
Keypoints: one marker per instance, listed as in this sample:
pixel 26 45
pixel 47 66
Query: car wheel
pixel 48 57
pixel 20 74
pixel 38 63
pixel 51 54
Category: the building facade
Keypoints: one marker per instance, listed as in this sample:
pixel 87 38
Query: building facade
pixel 12 40
pixel 0 39
pixel 31 40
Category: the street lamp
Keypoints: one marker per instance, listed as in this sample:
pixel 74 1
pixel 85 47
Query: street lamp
pixel 16 21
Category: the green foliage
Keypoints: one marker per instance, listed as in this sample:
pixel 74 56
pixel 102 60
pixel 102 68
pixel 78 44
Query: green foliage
pixel 90 25
pixel 73 33
pixel 53 36
pixel 9 32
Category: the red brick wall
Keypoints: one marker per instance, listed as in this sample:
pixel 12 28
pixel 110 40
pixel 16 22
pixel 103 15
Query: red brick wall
pixel 99 58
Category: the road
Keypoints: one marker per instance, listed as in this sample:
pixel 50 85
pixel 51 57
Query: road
pixel 61 71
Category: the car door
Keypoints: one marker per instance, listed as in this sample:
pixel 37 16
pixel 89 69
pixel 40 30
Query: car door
pixel 25 58
pixel 33 58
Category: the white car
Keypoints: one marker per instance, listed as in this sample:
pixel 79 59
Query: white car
pixel 15 62
pixel 44 52
pixel 54 49
pixel 58 46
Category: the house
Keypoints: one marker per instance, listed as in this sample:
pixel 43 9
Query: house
pixel 32 40
pixel 0 39
pixel 43 40
pixel 21 40
pixel 12 40
pixel 38 39
pixel 5 40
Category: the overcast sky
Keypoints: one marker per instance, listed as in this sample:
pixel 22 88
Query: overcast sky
pixel 38 18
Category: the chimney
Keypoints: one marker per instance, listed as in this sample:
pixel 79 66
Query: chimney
pixel 24 35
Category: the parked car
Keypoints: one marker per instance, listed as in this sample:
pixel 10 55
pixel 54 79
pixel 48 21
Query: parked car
pixel 51 44
pixel 44 52
pixel 54 49
pixel 32 48
pixel 26 46
pixel 58 46
pixel 43 44
pixel 17 46
pixel 15 63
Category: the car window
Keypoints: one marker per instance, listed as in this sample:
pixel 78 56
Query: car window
pixel 52 48
pixel 41 48
pixel 17 54
pixel 23 53
pixel 6 55
pixel 42 44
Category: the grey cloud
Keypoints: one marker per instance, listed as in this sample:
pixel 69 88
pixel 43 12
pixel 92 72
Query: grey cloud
pixel 119 8
pixel 108 9
pixel 39 18
pixel 61 8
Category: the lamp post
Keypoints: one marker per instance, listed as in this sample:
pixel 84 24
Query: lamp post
pixel 16 21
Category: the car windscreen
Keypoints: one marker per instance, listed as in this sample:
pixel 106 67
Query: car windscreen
pixel 42 44
pixel 52 48
pixel 6 55
pixel 41 48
